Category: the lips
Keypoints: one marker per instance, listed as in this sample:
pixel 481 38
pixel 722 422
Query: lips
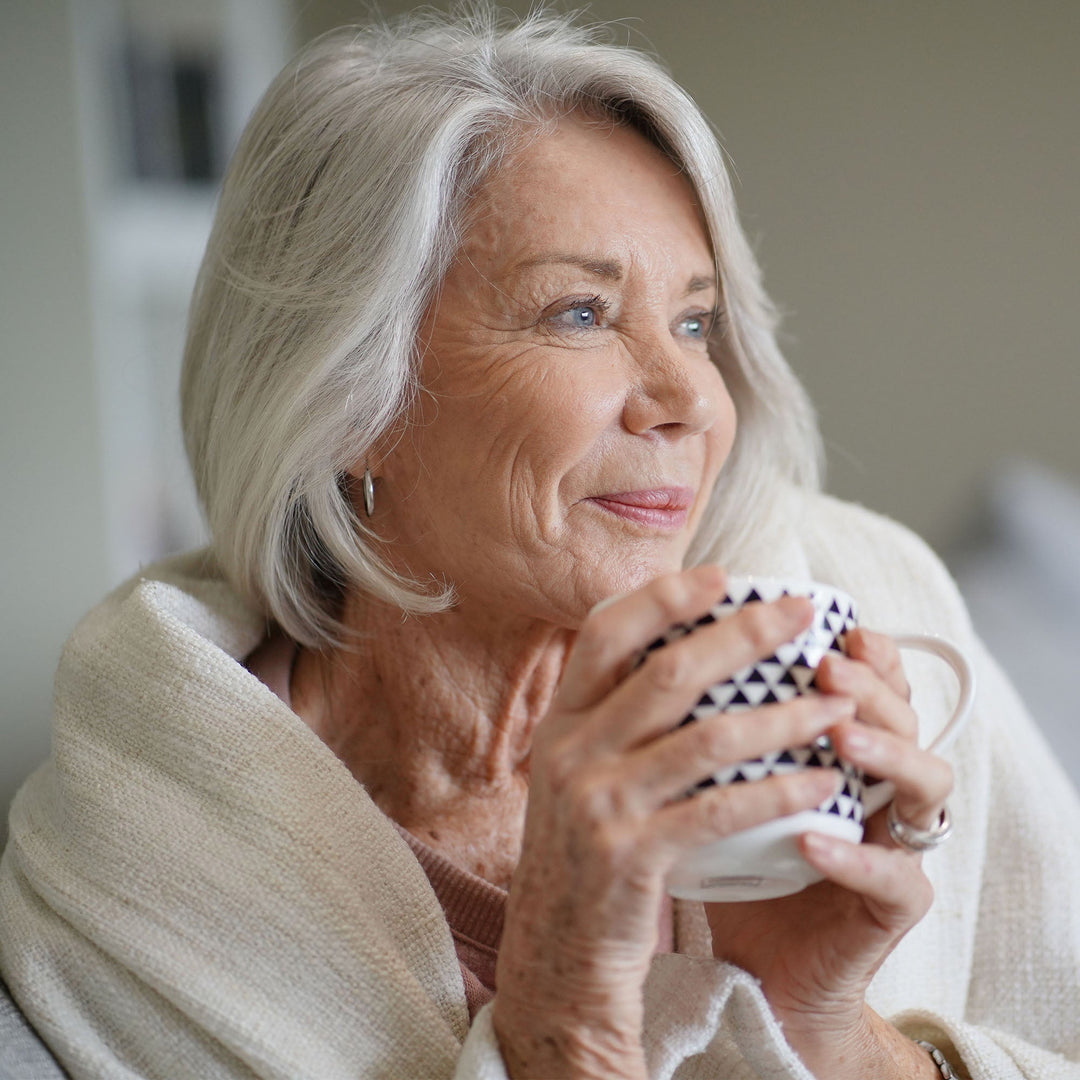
pixel 664 508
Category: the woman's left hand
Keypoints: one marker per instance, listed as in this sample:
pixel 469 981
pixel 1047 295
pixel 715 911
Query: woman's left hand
pixel 815 952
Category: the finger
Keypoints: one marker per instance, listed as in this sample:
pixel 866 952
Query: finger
pixel 615 631
pixel 666 687
pixel 923 780
pixel 878 703
pixel 666 768
pixel 881 653
pixel 891 882
pixel 720 811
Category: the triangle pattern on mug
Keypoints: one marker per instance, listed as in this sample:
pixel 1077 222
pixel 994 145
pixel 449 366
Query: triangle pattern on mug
pixel 821 754
pixel 778 678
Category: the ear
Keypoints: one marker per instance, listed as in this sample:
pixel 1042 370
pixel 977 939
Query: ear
pixel 355 472
pixel 372 461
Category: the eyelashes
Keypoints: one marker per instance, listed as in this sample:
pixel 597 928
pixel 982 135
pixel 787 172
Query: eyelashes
pixel 582 313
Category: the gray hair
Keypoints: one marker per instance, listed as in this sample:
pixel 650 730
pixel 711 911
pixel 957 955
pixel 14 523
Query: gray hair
pixel 339 216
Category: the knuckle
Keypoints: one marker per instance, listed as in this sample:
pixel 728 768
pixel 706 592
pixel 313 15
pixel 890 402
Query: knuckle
pixel 719 739
pixel 869 684
pixel 598 802
pixel 790 793
pixel 908 724
pixel 897 718
pixel 799 718
pixel 593 802
pixel 717 812
pixel 861 674
pixel 894 674
pixel 881 653
pixel 759 627
pixel 876 649
pixel 667 668
pixel 670 594
pixel 909 881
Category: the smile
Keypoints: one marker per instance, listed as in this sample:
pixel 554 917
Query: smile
pixel 665 509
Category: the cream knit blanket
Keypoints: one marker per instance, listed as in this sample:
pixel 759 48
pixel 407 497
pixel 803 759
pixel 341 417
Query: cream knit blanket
pixel 196 887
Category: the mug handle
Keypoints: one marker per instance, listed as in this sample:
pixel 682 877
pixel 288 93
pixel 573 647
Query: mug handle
pixel 881 793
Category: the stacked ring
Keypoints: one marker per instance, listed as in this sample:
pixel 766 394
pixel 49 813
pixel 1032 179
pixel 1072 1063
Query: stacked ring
pixel 939 1059
pixel 910 838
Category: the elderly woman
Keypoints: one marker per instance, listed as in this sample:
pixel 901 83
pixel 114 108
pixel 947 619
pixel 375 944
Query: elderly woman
pixel 373 788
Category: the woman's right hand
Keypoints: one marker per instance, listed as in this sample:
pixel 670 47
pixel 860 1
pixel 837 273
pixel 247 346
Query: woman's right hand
pixel 607 818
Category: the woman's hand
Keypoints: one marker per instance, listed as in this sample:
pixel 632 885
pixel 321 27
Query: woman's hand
pixel 816 952
pixel 606 818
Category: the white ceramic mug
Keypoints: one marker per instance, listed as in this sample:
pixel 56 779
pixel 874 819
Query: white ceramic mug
pixel 764 861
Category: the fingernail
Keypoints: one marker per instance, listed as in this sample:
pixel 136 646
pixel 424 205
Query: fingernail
pixel 835 706
pixel 863 743
pixel 824 849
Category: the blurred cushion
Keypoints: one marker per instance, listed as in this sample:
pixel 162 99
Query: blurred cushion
pixel 1020 575
pixel 23 1056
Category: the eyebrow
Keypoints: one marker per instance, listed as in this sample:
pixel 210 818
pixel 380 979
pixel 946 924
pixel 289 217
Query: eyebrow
pixel 607 269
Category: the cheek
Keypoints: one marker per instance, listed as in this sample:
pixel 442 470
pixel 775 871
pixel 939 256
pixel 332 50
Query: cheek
pixel 541 419
pixel 717 441
pixel 722 435
pixel 498 446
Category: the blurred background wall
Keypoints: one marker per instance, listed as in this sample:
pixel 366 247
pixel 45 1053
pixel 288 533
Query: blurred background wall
pixel 908 173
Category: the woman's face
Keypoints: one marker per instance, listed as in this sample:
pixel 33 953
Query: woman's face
pixel 572 424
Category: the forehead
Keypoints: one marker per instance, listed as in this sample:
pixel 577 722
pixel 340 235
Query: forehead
pixel 591 184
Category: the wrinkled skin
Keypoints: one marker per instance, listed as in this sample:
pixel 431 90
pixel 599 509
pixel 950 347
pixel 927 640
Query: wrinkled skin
pixel 567 362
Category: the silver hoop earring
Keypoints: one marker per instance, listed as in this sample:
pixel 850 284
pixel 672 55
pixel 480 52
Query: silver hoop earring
pixel 369 494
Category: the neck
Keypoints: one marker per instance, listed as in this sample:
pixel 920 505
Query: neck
pixel 434 715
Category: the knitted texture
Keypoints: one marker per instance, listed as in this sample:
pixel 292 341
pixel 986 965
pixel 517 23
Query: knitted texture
pixel 196 887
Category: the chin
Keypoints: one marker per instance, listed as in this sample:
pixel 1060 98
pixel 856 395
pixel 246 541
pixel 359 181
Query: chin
pixel 623 576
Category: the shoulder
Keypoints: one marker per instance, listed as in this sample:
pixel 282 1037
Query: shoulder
pixel 176 628
pixel 185 596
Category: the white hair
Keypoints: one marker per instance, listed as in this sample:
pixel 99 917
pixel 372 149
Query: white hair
pixel 339 216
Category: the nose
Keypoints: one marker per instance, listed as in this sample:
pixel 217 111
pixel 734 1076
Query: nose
pixel 677 390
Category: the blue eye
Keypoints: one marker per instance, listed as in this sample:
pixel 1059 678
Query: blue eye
pixel 698 325
pixel 585 314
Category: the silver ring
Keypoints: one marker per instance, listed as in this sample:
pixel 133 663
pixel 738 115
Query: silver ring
pixel 910 838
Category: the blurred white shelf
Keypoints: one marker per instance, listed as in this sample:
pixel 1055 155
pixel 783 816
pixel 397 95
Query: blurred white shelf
pixel 155 231
pixel 147 238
